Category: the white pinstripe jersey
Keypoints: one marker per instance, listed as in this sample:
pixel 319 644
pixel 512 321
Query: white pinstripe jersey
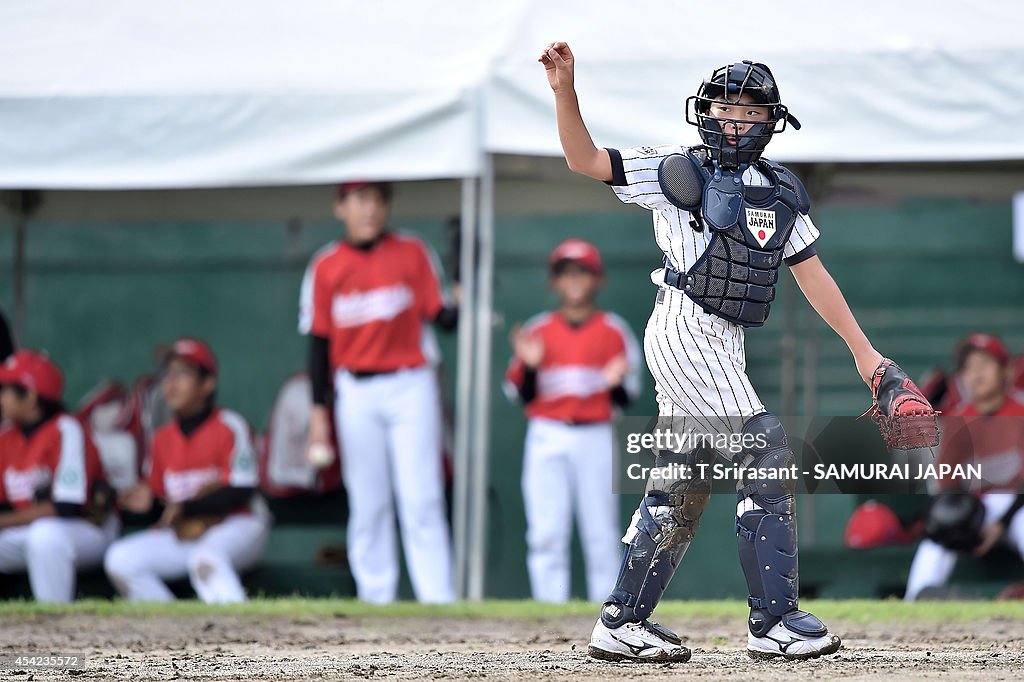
pixel 635 181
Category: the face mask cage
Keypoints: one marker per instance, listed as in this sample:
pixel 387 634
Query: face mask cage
pixel 726 86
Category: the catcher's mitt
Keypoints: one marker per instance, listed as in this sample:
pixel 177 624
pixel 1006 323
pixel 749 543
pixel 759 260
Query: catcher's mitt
pixel 193 527
pixel 904 416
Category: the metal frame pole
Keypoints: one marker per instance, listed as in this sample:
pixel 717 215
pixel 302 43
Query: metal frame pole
pixel 482 379
pixel 464 380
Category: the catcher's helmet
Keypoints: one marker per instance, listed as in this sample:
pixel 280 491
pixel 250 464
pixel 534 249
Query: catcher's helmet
pixel 727 85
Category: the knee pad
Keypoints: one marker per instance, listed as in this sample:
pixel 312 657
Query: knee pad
pixel 665 522
pixel 766 523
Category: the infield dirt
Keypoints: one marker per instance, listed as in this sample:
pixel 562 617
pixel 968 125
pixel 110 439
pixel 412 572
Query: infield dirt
pixel 277 647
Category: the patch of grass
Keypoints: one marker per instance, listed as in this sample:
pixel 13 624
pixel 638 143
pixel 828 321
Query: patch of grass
pixel 676 612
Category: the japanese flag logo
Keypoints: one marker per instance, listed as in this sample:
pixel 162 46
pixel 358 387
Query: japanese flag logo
pixel 761 224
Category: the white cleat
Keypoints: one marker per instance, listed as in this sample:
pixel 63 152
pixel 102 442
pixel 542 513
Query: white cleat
pixel 782 642
pixel 641 642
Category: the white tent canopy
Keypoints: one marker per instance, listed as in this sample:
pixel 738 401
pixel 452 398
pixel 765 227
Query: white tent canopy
pixel 227 93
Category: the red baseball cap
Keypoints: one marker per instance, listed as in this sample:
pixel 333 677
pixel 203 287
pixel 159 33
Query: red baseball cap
pixel 983 342
pixel 34 371
pixel 346 188
pixel 577 251
pixel 195 351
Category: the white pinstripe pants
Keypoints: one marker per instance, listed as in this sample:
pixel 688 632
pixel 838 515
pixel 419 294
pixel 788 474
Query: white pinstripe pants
pixel 699 366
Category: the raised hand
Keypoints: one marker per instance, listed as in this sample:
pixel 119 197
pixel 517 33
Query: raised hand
pixel 528 348
pixel 558 65
pixel 615 371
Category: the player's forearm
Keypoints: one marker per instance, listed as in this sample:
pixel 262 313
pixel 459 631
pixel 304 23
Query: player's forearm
pixel 828 301
pixel 23 517
pixel 582 155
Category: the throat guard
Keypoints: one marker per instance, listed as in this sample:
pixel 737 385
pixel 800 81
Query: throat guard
pixel 735 276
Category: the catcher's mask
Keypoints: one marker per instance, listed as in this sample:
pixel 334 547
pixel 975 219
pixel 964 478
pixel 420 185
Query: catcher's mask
pixel 726 86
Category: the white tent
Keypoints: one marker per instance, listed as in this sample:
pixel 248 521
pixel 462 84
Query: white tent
pixel 226 93
pixel 129 95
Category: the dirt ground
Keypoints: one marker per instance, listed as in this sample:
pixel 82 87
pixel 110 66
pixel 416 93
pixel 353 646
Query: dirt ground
pixel 289 648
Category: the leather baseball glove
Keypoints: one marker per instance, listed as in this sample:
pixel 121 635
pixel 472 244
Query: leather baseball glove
pixel 904 416
pixel 193 527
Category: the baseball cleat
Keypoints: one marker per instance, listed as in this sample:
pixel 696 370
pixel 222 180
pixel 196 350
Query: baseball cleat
pixel 641 642
pixel 781 641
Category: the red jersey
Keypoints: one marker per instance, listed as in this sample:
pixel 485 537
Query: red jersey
pixel 993 441
pixel 218 451
pixel 371 303
pixel 59 456
pixel 570 383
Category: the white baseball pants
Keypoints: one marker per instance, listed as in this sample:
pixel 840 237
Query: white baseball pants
pixel 390 436
pixel 566 469
pixel 138 564
pixel 933 563
pixel 52 549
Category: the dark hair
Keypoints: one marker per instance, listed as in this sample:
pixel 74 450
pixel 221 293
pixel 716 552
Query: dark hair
pixel 48 407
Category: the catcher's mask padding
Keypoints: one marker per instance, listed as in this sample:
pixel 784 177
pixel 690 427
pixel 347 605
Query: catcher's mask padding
pixel 681 182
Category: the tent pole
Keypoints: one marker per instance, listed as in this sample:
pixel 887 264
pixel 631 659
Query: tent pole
pixel 464 379
pixel 482 379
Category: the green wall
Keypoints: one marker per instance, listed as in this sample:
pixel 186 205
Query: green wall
pixel 919 274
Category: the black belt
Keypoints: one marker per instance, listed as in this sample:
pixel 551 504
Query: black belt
pixel 366 374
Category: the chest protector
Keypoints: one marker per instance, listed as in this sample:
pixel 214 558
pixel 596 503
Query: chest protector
pixel 735 277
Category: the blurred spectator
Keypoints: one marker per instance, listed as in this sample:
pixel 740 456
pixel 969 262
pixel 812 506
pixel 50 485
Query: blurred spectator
pixel 202 478
pixel 366 302
pixel 53 520
pixel 987 430
pixel 572 369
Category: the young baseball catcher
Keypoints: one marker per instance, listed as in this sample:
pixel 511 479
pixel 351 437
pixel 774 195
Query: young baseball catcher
pixel 52 517
pixel 202 479
pixel 726 219
pixel 573 368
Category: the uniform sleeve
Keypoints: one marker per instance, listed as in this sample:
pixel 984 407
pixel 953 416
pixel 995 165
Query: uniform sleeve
pixel 428 289
pixel 314 300
pixel 801 246
pixel 155 465
pixel 633 381
pixel 240 463
pixel 70 478
pixel 635 174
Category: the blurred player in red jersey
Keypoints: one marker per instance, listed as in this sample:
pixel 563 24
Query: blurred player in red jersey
pixel 367 302
pixel 50 468
pixel 202 474
pixel 572 368
pixel 988 430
